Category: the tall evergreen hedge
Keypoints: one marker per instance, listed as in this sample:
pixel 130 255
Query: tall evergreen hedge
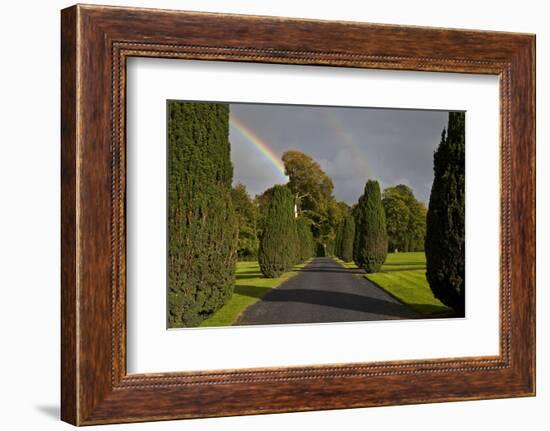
pixel 348 237
pixel 371 240
pixel 338 240
pixel 202 226
pixel 320 249
pixel 306 243
pixel 277 253
pixel 444 246
pixel 329 246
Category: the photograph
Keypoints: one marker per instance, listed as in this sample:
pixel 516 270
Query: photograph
pixel 294 214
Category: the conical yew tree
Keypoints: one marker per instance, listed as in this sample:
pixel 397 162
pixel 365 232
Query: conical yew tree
pixel 277 253
pixel 338 240
pixel 348 237
pixel 370 246
pixel 445 250
pixel 306 242
pixel 202 226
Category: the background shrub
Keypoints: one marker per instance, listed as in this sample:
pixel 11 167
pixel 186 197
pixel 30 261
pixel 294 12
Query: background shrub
pixel 320 250
pixel 306 244
pixel 405 219
pixel 348 237
pixel 277 253
pixel 338 240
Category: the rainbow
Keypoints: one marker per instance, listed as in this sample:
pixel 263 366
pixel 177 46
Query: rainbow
pixel 338 127
pixel 258 143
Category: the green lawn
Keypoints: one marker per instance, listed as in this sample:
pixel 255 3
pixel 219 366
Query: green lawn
pixel 250 286
pixel 403 275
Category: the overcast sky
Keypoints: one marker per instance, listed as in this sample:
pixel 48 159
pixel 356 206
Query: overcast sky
pixel 352 145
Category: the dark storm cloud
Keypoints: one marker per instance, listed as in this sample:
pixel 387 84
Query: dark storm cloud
pixel 352 145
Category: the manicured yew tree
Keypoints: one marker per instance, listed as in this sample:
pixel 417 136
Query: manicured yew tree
pixel 348 237
pixel 338 240
pixel 370 245
pixel 320 250
pixel 445 220
pixel 261 202
pixel 306 244
pixel 329 245
pixel 202 226
pixel 277 253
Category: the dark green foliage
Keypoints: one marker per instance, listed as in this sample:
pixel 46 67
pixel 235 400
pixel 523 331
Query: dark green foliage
pixel 348 237
pixel 370 246
pixel 261 203
pixel 306 244
pixel 277 253
pixel 329 246
pixel 445 221
pixel 397 222
pixel 247 247
pixel 202 227
pixel 417 227
pixel 345 213
pixel 405 219
pixel 338 240
pixel 320 250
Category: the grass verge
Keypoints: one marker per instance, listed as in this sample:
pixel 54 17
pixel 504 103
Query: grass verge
pixel 403 276
pixel 250 286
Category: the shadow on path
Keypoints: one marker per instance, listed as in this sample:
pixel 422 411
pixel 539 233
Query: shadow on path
pixel 344 300
pixel 333 270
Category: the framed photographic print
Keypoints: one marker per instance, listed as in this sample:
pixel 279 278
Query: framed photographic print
pixel 265 214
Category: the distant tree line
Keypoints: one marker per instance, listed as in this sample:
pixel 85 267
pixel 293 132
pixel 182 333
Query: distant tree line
pixel 405 219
